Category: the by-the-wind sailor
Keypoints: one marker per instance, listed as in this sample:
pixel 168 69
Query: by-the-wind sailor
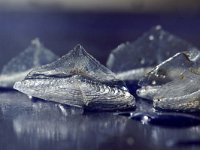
pixel 77 79
pixel 18 67
pixel 131 61
pixel 175 83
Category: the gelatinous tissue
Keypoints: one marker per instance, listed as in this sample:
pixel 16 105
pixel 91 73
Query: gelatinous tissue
pixel 77 79
pixel 18 67
pixel 175 83
pixel 131 61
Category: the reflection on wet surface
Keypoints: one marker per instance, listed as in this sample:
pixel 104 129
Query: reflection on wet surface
pixel 26 124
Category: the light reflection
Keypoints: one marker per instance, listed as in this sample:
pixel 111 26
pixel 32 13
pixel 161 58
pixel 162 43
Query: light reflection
pixel 75 130
pixel 41 125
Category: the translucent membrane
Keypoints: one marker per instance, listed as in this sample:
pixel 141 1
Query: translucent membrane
pixel 132 60
pixel 175 83
pixel 77 79
pixel 18 67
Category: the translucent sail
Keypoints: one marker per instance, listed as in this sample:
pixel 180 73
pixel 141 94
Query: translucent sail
pixel 18 67
pixel 77 79
pixel 132 60
pixel 175 83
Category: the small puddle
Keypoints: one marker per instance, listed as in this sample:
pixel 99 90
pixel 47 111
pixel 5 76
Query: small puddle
pixel 171 120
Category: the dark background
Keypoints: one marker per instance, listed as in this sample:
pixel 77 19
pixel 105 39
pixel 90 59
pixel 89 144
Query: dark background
pixel 99 30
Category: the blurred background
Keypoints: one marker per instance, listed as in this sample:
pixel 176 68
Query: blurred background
pixel 99 25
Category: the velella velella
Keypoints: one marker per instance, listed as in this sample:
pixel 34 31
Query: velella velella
pixel 18 67
pixel 175 83
pixel 132 60
pixel 77 79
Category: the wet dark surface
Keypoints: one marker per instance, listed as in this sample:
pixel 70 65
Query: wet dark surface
pixel 35 124
pixel 38 125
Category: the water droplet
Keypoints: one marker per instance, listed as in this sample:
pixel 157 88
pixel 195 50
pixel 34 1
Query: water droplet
pixel 153 82
pixel 151 37
pixel 158 27
pixel 163 76
pixel 142 61
pixel 145 120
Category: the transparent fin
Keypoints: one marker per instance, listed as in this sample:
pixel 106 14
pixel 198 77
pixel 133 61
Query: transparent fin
pixel 175 83
pixel 147 51
pixel 77 79
pixel 18 67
